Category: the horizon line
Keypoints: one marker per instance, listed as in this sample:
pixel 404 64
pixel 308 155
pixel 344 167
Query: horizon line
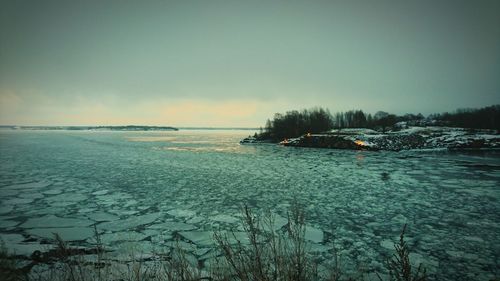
pixel 132 125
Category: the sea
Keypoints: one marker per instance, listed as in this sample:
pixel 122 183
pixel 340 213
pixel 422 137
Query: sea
pixel 149 191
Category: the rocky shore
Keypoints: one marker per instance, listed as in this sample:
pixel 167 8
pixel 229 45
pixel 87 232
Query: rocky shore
pixel 405 139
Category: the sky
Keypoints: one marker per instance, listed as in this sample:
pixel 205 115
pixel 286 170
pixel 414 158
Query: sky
pixel 235 63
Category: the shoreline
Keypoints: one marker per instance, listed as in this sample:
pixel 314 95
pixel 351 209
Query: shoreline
pixel 411 138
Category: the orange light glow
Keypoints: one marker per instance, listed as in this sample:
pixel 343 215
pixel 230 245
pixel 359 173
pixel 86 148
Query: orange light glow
pixel 285 141
pixel 360 143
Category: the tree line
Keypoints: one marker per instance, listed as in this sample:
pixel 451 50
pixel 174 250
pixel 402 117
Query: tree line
pixel 483 118
pixel 296 123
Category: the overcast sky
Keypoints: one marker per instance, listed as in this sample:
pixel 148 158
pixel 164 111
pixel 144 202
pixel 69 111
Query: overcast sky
pixel 236 63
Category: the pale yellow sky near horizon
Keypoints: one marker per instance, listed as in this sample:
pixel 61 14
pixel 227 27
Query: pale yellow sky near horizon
pixel 177 112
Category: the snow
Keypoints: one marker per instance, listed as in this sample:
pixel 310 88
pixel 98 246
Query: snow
pixel 354 131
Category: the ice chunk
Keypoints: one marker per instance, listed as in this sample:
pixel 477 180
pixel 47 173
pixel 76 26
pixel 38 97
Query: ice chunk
pixel 195 220
pixel 387 244
pixel 313 234
pixel 66 233
pixel 18 201
pixel 6 209
pixel 11 238
pixel 276 223
pixel 202 251
pixel 31 185
pixel 181 245
pixel 26 249
pixel 53 221
pixel 100 192
pixel 9 192
pixel 317 248
pixel 200 238
pixel 67 198
pixel 110 238
pixel 172 225
pixel 181 213
pixel 238 237
pixel 129 223
pixel 102 216
pixel 8 223
pixel 225 218
pixel 34 195
pixel 52 191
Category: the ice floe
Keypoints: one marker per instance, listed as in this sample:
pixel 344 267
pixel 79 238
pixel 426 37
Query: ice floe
pixel 181 213
pixel 130 222
pixel 66 233
pixel 55 221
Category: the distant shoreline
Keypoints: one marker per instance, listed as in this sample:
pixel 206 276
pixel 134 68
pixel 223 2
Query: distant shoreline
pixel 218 128
pixel 122 128
pixel 92 128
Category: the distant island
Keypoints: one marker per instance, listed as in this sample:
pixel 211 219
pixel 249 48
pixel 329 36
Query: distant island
pixel 93 128
pixel 462 129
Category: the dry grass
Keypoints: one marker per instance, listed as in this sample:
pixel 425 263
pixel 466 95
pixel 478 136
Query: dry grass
pixel 269 255
pixel 399 266
pixel 9 270
pixel 265 254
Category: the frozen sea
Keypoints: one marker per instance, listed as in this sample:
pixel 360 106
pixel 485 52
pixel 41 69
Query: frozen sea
pixel 143 190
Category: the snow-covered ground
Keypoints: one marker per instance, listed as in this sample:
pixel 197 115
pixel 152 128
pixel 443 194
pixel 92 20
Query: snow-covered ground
pixel 144 190
pixel 406 139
